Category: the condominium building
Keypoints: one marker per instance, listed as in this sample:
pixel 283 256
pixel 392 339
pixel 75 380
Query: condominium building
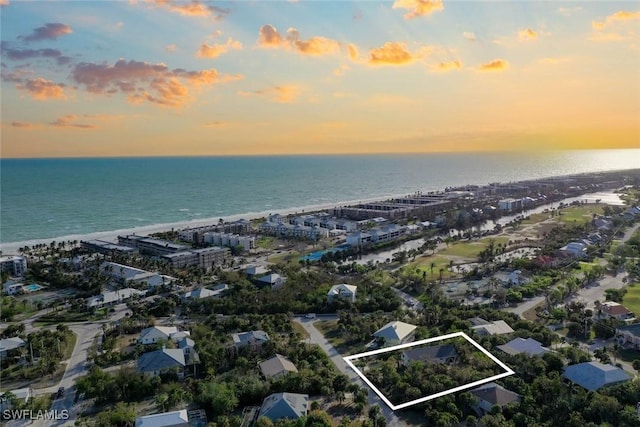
pixel 230 240
pixel 196 234
pixel 204 258
pixel 151 246
pixel 284 229
pixel 106 248
pixel 15 265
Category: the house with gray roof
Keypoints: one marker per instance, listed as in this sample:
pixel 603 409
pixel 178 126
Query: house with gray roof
pixel 629 335
pixel 527 346
pixel 10 344
pixel 595 375
pixel 277 367
pixel 157 362
pixel 273 280
pixel 255 270
pixel 165 419
pixel 445 353
pixel 284 405
pixel 492 394
pixel 394 333
pixel 156 334
pixel 251 338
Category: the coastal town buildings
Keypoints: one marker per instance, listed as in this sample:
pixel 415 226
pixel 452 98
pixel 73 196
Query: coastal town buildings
pixel 229 240
pixel 196 234
pixel 15 265
pixel 106 248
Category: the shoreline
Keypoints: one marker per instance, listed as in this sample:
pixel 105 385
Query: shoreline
pixel 11 248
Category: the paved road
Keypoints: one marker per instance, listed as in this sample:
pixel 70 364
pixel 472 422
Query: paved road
pixel 411 302
pixel 527 305
pixel 316 337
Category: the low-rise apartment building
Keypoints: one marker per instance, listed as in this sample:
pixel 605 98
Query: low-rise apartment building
pixel 206 258
pixel 289 230
pixel 230 240
pixel 15 265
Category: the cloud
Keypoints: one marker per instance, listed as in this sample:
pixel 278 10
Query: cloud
pixel 495 65
pixel 352 50
pixel 391 53
pixel 4 2
pixel 42 89
pixel 194 8
pixel 268 36
pixel 600 36
pixel 418 7
pixel 340 70
pixel 553 61
pixel 312 46
pixel 469 35
pixel 50 31
pixel 68 122
pixel 568 11
pixel 216 50
pixel 527 35
pixel 286 94
pixel 447 66
pixel 24 125
pixel 23 54
pixel 620 16
pixel 171 47
pixel 143 81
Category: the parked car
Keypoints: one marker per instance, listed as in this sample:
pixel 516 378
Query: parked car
pixel 60 392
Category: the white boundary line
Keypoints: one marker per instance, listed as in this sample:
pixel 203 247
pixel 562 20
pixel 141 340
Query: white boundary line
pixel 348 361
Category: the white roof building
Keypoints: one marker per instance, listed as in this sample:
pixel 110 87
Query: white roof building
pixel 165 419
pixel 342 291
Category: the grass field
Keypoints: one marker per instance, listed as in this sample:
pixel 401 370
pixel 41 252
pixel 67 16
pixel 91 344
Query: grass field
pixel 298 328
pixel 580 214
pixel 631 299
pixel 329 329
pixel 471 250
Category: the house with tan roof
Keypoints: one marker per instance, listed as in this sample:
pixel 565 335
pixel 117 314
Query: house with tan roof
pixel 276 367
pixel 492 394
pixel 394 333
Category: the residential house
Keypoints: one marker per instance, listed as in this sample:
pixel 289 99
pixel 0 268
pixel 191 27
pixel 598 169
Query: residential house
pixel 445 353
pixel 279 406
pixel 251 338
pixel 595 375
pixel 255 271
pixel 156 334
pixel 629 335
pixel 165 419
pixel 490 395
pixel 277 367
pixel 203 293
pixel 22 395
pixel 110 298
pixel 575 250
pixel 394 333
pixel 614 310
pixel 8 345
pixel 497 327
pixel 273 280
pixel 527 346
pixel 126 275
pixel 342 291
pixel 11 287
pixel 632 213
pixel 157 362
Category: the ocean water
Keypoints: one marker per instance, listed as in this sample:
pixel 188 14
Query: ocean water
pixel 57 198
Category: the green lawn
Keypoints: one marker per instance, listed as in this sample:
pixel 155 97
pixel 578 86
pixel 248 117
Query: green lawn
pixel 329 329
pixel 298 328
pixel 471 249
pixel 631 299
pixel 580 214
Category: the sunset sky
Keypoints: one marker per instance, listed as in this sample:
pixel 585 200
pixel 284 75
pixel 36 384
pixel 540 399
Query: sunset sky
pixel 163 77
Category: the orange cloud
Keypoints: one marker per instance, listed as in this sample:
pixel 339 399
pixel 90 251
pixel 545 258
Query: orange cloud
pixel 68 122
pixel 50 31
pixel 42 89
pixel 352 50
pixel 283 94
pixel 195 8
pixel 4 2
pixel 418 7
pixel 495 65
pixel 447 66
pixel 170 47
pixel 616 17
pixel 391 53
pixel 527 35
pixel 313 46
pixel 142 81
pixel 216 50
pixel 268 36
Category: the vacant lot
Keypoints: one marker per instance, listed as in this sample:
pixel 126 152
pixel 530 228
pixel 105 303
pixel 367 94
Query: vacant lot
pixel 631 299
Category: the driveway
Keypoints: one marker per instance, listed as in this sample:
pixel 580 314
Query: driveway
pixel 316 337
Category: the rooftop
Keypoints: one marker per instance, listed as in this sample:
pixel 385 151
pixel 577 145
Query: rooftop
pixel 594 375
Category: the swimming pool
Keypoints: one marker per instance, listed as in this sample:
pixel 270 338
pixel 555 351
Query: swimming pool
pixel 316 256
pixel 32 287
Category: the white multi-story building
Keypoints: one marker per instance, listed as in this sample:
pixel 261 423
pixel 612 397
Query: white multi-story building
pixel 230 240
pixel 15 265
pixel 283 229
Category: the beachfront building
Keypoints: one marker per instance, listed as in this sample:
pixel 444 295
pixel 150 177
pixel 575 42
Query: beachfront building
pixel 151 246
pixel 288 230
pixel 417 205
pixel 196 234
pixel 15 265
pixel 230 240
pixel 106 248
pixel 384 234
pixel 205 258
pixel 126 275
